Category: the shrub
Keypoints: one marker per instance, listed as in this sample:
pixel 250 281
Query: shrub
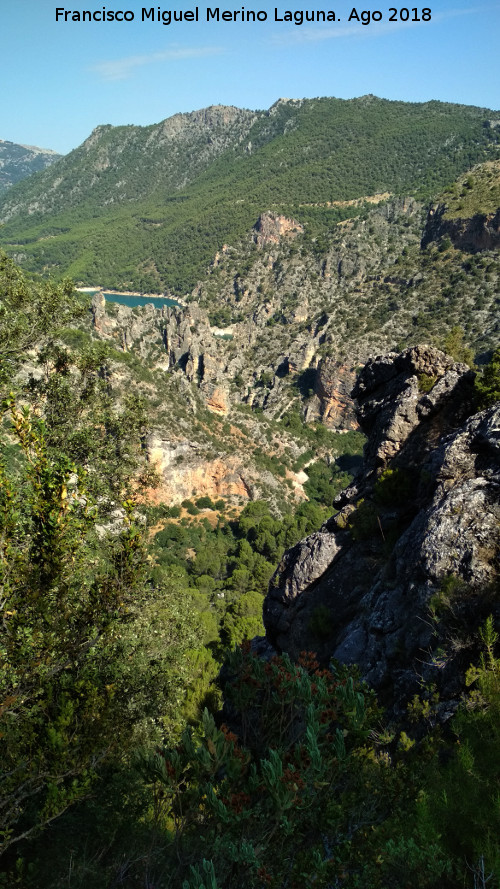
pixel 190 507
pixel 426 382
pixel 393 487
pixel 363 522
pixel 488 383
pixel 264 805
pixel 205 503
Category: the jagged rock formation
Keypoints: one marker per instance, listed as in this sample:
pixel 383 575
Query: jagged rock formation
pixel 382 582
pixel 409 400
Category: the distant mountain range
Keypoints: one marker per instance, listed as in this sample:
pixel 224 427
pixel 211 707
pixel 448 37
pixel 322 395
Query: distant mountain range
pixel 147 208
pixel 19 161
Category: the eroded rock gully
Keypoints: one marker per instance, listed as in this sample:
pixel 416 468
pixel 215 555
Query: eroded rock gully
pixel 399 580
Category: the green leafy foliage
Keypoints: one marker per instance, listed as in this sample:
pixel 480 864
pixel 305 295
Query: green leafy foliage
pixel 62 594
pixel 394 487
pixel 263 806
pixel 28 311
pixel 454 344
pixel 85 632
pixel 305 786
pixel 325 482
pixel 83 418
pixel 488 383
pixel 458 803
pixel 226 569
pixel 364 521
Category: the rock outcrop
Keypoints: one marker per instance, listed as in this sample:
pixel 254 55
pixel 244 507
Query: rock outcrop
pixel 332 387
pixel 410 400
pixel 480 232
pixel 184 470
pixel 271 227
pixel 401 576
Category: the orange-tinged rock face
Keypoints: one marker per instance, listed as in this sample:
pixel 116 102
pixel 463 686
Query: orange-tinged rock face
pixel 213 479
pixel 333 385
pixel 272 226
pixel 184 474
pixel 217 401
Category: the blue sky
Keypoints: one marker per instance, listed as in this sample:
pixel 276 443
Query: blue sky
pixel 61 79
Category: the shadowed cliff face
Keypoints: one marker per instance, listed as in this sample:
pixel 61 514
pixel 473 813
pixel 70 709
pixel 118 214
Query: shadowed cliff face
pixel 413 550
pixel 474 234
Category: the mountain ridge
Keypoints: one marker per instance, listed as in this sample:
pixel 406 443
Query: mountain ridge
pixel 18 161
pixel 121 211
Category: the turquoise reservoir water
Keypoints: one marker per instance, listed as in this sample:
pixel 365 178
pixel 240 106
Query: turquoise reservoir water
pixel 131 301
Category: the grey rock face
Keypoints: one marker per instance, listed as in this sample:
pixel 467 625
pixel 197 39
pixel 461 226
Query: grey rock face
pixel 364 589
pixel 19 161
pixel 392 408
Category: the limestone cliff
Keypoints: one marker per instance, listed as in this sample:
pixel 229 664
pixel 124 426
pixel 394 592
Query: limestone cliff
pixel 184 470
pixel 401 576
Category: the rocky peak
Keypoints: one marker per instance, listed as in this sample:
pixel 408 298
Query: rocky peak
pixel 271 227
pixel 95 136
pixel 294 103
pixel 419 527
pixel 208 119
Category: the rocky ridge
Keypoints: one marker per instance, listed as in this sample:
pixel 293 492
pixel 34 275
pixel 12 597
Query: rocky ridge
pixel 147 208
pixel 19 161
pixel 399 579
pixel 177 149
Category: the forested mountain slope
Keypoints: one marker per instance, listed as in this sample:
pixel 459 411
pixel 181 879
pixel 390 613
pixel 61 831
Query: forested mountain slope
pixel 280 320
pixel 149 207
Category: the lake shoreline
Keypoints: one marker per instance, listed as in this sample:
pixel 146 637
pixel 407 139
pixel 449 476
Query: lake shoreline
pixel 146 298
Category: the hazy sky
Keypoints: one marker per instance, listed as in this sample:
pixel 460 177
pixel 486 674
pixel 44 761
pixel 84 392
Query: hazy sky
pixel 61 79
